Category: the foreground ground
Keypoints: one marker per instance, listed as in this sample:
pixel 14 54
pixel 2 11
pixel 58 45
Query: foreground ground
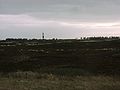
pixel 35 81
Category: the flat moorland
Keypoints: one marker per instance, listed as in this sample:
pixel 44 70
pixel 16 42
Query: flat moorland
pixel 60 65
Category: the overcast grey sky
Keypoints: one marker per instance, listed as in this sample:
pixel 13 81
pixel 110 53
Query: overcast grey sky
pixel 59 18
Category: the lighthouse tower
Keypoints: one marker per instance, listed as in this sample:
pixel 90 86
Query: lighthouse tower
pixel 43 37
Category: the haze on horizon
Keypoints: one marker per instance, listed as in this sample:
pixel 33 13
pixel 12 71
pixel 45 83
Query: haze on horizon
pixel 59 18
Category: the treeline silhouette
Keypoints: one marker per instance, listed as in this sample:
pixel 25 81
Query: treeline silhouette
pixel 82 38
pixel 99 38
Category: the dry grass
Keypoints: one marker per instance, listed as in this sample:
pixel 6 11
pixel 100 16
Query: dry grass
pixel 36 81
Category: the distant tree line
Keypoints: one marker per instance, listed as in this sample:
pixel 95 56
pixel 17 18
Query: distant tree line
pixel 98 38
pixel 54 39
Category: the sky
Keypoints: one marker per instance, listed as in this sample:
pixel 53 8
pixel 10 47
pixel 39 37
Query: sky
pixel 59 18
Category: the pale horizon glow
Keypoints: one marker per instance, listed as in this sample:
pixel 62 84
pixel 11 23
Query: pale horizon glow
pixel 26 20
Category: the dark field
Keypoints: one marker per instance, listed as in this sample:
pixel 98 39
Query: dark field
pixel 61 65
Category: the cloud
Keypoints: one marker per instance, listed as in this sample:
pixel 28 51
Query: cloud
pixel 81 10
pixel 93 25
pixel 29 21
pixel 22 20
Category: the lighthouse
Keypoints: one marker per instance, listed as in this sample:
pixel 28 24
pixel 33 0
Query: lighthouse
pixel 43 37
